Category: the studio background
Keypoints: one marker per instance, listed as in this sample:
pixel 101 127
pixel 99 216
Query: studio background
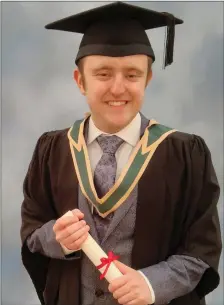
pixel 39 94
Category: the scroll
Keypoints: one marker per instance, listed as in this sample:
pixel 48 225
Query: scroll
pixel 102 261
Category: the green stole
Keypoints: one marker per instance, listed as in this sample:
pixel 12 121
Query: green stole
pixel 154 134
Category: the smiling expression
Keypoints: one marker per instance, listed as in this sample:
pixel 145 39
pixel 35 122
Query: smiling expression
pixel 114 88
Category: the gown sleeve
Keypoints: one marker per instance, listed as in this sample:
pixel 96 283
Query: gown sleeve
pixel 202 236
pixel 36 210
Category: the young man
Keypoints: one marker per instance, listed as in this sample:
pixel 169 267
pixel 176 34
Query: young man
pixel 146 191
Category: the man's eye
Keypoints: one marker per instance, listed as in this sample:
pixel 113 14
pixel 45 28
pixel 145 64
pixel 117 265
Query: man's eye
pixel 103 74
pixel 132 75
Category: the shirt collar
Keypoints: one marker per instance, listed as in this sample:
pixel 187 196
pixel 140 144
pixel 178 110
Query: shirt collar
pixel 130 134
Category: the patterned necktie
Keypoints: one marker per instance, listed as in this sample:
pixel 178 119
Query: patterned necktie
pixel 104 177
pixel 105 172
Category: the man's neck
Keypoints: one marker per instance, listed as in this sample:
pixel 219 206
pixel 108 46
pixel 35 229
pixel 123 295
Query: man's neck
pixel 110 129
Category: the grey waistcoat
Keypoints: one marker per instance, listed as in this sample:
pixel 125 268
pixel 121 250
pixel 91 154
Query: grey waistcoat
pixel 118 238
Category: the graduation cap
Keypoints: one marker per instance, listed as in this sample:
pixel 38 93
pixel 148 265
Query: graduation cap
pixel 118 29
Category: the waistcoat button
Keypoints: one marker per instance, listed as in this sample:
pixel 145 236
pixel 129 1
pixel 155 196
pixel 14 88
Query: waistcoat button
pixel 99 293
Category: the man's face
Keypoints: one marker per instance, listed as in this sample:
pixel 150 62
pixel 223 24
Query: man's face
pixel 114 88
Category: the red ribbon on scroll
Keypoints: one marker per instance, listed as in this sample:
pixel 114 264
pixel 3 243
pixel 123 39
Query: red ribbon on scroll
pixel 107 261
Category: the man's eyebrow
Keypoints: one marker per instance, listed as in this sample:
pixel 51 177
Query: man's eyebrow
pixel 136 69
pixel 102 67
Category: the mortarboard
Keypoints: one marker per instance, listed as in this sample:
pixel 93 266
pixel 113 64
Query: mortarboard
pixel 118 29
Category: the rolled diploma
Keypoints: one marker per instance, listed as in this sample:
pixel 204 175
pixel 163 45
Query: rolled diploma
pixel 95 253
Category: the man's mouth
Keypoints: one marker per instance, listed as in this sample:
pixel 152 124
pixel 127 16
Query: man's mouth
pixel 117 103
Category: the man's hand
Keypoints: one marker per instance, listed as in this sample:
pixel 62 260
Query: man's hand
pixel 71 231
pixel 131 288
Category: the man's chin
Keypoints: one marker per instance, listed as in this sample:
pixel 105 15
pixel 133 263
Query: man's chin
pixel 117 124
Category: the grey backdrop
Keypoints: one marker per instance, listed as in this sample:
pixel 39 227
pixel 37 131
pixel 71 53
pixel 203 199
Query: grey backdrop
pixel 38 94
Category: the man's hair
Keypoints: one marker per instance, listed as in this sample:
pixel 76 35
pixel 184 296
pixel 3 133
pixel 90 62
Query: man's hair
pixel 80 66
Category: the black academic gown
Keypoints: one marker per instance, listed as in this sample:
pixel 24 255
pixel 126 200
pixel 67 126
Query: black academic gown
pixel 176 213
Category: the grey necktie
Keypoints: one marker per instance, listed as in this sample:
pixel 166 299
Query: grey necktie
pixel 104 176
pixel 105 172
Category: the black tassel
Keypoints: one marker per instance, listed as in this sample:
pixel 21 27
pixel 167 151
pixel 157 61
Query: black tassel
pixel 169 40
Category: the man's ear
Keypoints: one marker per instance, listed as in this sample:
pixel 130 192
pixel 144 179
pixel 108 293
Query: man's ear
pixel 149 77
pixel 79 81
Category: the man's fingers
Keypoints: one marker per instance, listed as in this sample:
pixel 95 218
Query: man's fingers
pixel 118 283
pixel 69 228
pixel 125 289
pixel 63 222
pixel 67 219
pixel 69 231
pixel 78 213
pixel 127 299
pixel 75 236
pixel 78 243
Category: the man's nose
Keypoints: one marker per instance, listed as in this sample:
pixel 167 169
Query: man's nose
pixel 118 86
